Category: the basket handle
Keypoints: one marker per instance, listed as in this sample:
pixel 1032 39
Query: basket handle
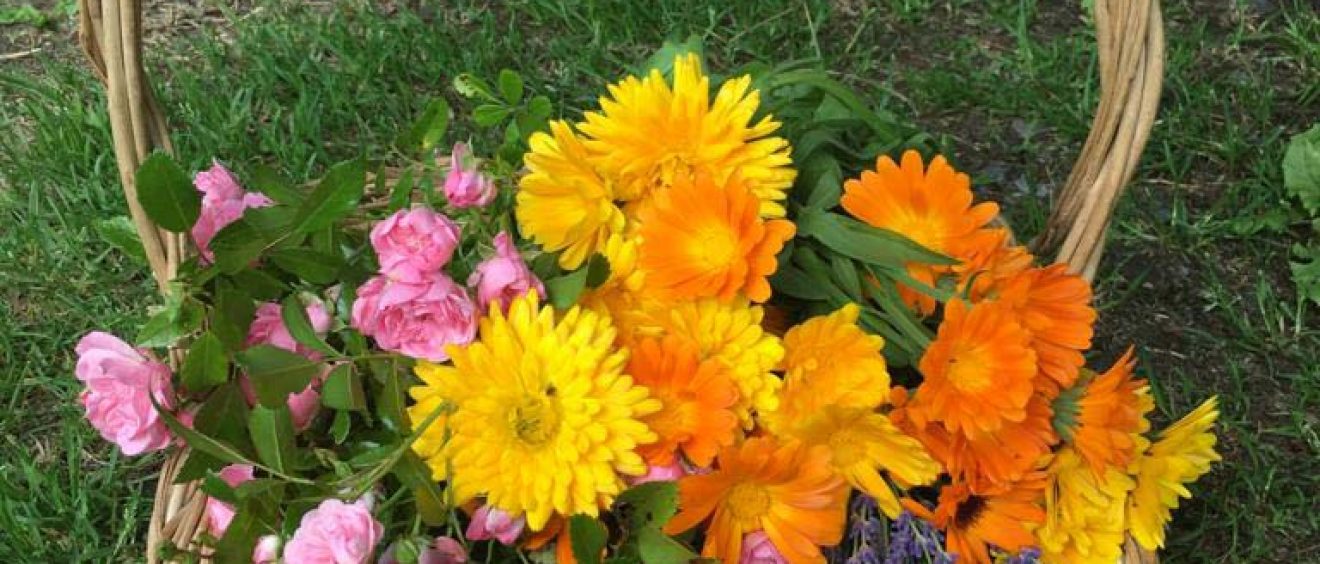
pixel 1130 37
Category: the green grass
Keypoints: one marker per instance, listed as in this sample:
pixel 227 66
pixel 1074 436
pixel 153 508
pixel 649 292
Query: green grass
pixel 1196 275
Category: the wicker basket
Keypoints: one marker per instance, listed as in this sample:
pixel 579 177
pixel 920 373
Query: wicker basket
pixel 1130 34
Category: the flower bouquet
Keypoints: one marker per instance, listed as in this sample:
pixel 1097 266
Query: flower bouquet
pixel 710 319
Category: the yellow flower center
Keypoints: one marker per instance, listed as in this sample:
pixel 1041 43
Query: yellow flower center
pixel 748 502
pixel 846 448
pixel 968 369
pixel 715 247
pixel 535 420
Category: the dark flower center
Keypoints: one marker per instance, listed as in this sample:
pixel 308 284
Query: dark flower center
pixel 968 511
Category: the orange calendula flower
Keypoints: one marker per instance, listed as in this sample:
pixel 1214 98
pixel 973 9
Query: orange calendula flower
pixel 697 399
pixel 830 361
pixel 977 372
pixel 787 490
pixel 650 134
pixel 931 205
pixel 988 460
pixel 1055 307
pixel 1103 419
pixel 705 239
pixel 1004 516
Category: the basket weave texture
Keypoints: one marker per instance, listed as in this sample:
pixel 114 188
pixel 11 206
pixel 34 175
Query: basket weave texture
pixel 1130 38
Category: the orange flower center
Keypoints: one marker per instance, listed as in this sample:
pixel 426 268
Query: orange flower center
pixel 968 368
pixel 535 420
pixel 748 502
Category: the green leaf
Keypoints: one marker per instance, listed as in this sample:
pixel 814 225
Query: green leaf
pixel 845 274
pixel 539 108
pixel 294 315
pixel 652 503
pixel 663 59
pixel 254 516
pixel 565 290
pixel 487 115
pixel 415 474
pixel 429 128
pixel 655 547
pixel 232 315
pixel 270 182
pixel 237 245
pixel 401 195
pixel 471 86
pixel 1301 169
pixel 224 452
pixel 343 389
pixel 511 87
pixel 390 398
pixel 121 234
pixel 272 435
pixel 871 245
pixel 334 197
pixel 1306 273
pixel 259 284
pixel 588 538
pixel 313 266
pixel 167 194
pixel 206 365
pixel 179 318
pixel 224 415
pixel 196 466
pixel 275 373
pixel 217 488
pixel 339 428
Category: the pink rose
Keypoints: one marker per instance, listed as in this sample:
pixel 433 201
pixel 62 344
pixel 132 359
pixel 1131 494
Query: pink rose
pixel 443 551
pixel 338 532
pixel 417 320
pixel 661 473
pixel 492 522
pixel 412 244
pixel 504 276
pixel 219 513
pixel 120 383
pixel 223 202
pixel 268 328
pixel 267 550
pixel 757 549
pixel 465 186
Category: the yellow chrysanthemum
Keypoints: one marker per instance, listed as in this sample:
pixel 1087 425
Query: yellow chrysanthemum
pixel 830 361
pixel 621 297
pixel 731 333
pixel 648 133
pixel 862 442
pixel 544 421
pixel 563 203
pixel 1083 512
pixel 1181 456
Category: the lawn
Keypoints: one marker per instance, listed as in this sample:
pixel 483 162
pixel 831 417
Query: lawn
pixel 1196 275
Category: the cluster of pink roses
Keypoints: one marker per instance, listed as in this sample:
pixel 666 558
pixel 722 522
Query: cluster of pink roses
pixel 411 306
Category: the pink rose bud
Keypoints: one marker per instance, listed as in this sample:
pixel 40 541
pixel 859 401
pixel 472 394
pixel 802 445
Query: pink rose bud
pixel 465 186
pixel 413 244
pixel 268 328
pixel 223 202
pixel 491 522
pixel 504 276
pixel 219 513
pixel 443 551
pixel 757 549
pixel 120 383
pixel 661 473
pixel 267 550
pixel 338 532
pixel 417 320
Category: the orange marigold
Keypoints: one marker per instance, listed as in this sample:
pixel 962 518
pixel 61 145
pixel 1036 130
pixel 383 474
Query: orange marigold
pixel 787 490
pixel 931 205
pixel 1055 307
pixel 1004 516
pixel 977 372
pixel 704 239
pixel 991 459
pixel 697 397
pixel 1104 422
